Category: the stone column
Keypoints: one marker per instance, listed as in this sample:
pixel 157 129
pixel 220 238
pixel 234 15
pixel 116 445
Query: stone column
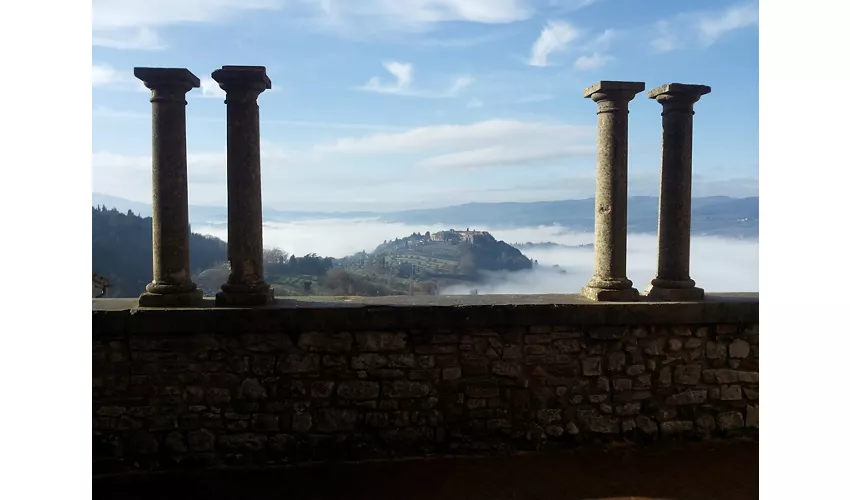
pixel 172 284
pixel 609 281
pixel 673 281
pixel 245 285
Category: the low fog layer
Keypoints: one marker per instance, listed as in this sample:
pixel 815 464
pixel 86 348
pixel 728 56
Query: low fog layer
pixel 717 264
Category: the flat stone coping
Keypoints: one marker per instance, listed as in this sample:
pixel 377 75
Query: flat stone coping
pixel 123 316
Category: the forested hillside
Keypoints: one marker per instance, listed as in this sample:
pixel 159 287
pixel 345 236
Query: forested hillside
pixel 122 247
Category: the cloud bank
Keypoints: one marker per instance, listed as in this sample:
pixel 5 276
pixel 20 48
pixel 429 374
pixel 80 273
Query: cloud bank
pixel 717 264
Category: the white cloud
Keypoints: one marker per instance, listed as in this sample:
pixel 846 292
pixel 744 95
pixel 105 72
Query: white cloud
pixel 555 37
pixel 421 13
pixel 713 26
pixel 106 76
pixel 592 62
pixel 459 84
pixel 210 88
pixel 130 24
pixel 142 38
pixel 115 14
pixel 533 98
pixel 482 144
pixel 103 75
pixel 602 41
pixel 702 28
pixel 504 156
pixel 570 5
pixel 403 74
pixel 664 40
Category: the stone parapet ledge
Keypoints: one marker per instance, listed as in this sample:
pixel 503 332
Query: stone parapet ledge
pixel 318 379
pixel 121 316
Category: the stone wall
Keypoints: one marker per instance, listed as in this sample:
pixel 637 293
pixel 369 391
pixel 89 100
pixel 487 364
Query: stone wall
pixel 312 381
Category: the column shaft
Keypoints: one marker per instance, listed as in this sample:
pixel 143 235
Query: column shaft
pixel 673 281
pixel 609 281
pixel 245 284
pixel 172 284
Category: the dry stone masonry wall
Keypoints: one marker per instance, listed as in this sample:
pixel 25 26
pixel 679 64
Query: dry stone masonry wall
pixel 172 399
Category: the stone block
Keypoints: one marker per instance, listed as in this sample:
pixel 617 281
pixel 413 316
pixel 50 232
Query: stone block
pixel 715 350
pixel 251 390
pixel 730 420
pixel 591 366
pixel 642 381
pixel 423 361
pixel 368 361
pixel 381 341
pixel 628 409
pixel 303 421
pixel 665 377
pixel 674 344
pixel 325 341
pixel 622 385
pixel 538 339
pixel 201 440
pixel 262 365
pixel 635 370
pixel 475 391
pixel 265 422
pixel 646 425
pixel 752 416
pixel 242 442
pixel 298 363
pixel 406 389
pixel 677 427
pixel 335 420
pixel 604 425
pixel 739 349
pixel 567 345
pixel 505 369
pixel 687 374
pixel 356 389
pixel 546 417
pixel 451 373
pixel 730 392
pixel 688 397
pixel 616 361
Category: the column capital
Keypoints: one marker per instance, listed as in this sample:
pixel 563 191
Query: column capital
pixel 606 90
pixel 242 78
pixel 167 78
pixel 678 92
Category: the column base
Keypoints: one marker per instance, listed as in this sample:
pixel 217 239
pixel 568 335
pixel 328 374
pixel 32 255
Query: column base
pixel 259 297
pixel 182 299
pixel 690 294
pixel 610 295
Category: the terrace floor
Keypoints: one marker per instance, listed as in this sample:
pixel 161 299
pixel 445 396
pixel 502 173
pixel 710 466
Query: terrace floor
pixel 727 471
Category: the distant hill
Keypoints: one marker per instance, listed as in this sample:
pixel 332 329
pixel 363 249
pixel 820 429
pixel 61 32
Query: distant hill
pixel 122 247
pixel 451 254
pixel 711 216
pixel 425 263
pixel 548 245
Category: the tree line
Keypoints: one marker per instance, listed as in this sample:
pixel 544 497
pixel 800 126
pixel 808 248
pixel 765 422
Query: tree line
pixel 122 246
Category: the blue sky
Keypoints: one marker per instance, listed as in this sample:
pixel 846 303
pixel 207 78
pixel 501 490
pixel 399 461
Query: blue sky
pixel 382 104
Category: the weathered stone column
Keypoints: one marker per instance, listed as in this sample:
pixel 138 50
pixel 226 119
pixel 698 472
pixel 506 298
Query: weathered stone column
pixel 172 284
pixel 609 281
pixel 673 281
pixel 245 285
